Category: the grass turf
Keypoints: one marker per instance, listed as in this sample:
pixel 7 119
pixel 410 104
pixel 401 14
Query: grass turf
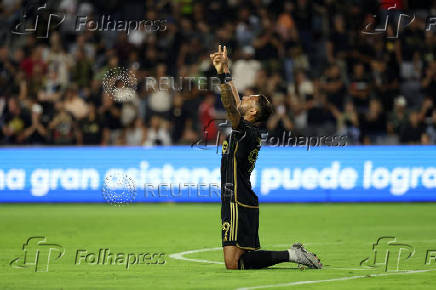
pixel 341 234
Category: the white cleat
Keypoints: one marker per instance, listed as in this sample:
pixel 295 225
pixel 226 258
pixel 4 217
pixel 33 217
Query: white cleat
pixel 304 257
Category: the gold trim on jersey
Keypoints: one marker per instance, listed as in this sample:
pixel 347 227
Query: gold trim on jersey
pixel 235 181
pixel 246 248
pixel 235 171
pixel 232 220
pixel 236 222
pixel 246 205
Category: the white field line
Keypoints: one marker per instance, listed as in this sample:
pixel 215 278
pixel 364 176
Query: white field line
pixel 181 256
pixel 290 284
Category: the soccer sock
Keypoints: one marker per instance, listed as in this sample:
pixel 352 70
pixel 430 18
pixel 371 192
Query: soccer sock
pixel 262 259
pixel 292 255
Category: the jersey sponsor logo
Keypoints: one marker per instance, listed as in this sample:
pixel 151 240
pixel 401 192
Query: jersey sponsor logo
pixel 225 146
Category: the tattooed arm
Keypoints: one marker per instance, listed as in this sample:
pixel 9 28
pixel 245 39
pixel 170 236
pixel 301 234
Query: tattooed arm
pixel 229 103
pixel 229 93
pixel 232 85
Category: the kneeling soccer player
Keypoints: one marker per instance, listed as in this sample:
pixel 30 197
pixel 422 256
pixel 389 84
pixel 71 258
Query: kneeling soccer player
pixel 240 207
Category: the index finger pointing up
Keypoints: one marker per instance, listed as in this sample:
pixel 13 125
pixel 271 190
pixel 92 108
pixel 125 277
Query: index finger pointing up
pixel 219 49
pixel 225 52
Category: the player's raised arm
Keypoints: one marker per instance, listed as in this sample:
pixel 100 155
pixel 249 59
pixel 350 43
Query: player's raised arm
pixel 229 104
pixel 229 95
pixel 230 82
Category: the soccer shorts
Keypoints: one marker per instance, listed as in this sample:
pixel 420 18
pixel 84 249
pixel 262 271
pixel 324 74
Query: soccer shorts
pixel 240 225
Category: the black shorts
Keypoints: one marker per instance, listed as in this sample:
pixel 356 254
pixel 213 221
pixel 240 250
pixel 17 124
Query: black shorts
pixel 240 225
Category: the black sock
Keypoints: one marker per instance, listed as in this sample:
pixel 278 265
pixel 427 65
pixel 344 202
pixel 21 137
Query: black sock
pixel 262 259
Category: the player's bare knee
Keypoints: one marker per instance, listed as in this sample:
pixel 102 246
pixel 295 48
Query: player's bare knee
pixel 231 264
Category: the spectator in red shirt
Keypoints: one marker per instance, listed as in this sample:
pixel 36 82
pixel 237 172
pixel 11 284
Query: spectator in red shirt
pixel 34 63
pixel 207 117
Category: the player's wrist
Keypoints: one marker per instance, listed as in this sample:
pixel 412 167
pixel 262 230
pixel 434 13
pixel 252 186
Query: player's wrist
pixel 225 77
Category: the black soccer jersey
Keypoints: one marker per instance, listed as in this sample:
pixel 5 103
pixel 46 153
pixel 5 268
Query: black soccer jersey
pixel 239 154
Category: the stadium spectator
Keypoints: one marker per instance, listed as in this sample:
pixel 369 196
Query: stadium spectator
pixel 136 133
pixel 63 126
pixel 245 69
pixel 157 134
pixel 15 120
pixel 360 88
pixel 311 53
pixel 207 118
pixel 430 130
pixel 36 133
pixel 90 132
pixel 413 131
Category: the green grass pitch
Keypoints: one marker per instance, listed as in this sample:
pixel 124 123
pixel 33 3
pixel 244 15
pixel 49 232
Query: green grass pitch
pixel 341 234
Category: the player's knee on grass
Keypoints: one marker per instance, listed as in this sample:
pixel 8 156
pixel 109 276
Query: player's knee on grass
pixel 231 263
pixel 231 257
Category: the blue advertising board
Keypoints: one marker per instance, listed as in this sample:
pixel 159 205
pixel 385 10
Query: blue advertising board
pixel 190 174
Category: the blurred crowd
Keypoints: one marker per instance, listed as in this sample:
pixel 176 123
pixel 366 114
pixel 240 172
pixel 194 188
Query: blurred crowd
pixel 324 74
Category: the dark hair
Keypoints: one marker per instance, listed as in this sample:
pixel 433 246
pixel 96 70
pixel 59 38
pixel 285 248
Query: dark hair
pixel 265 109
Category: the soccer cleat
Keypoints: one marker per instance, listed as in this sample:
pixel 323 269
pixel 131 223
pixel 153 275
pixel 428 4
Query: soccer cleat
pixel 303 257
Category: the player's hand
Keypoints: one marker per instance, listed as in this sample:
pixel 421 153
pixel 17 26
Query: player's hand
pixel 220 60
